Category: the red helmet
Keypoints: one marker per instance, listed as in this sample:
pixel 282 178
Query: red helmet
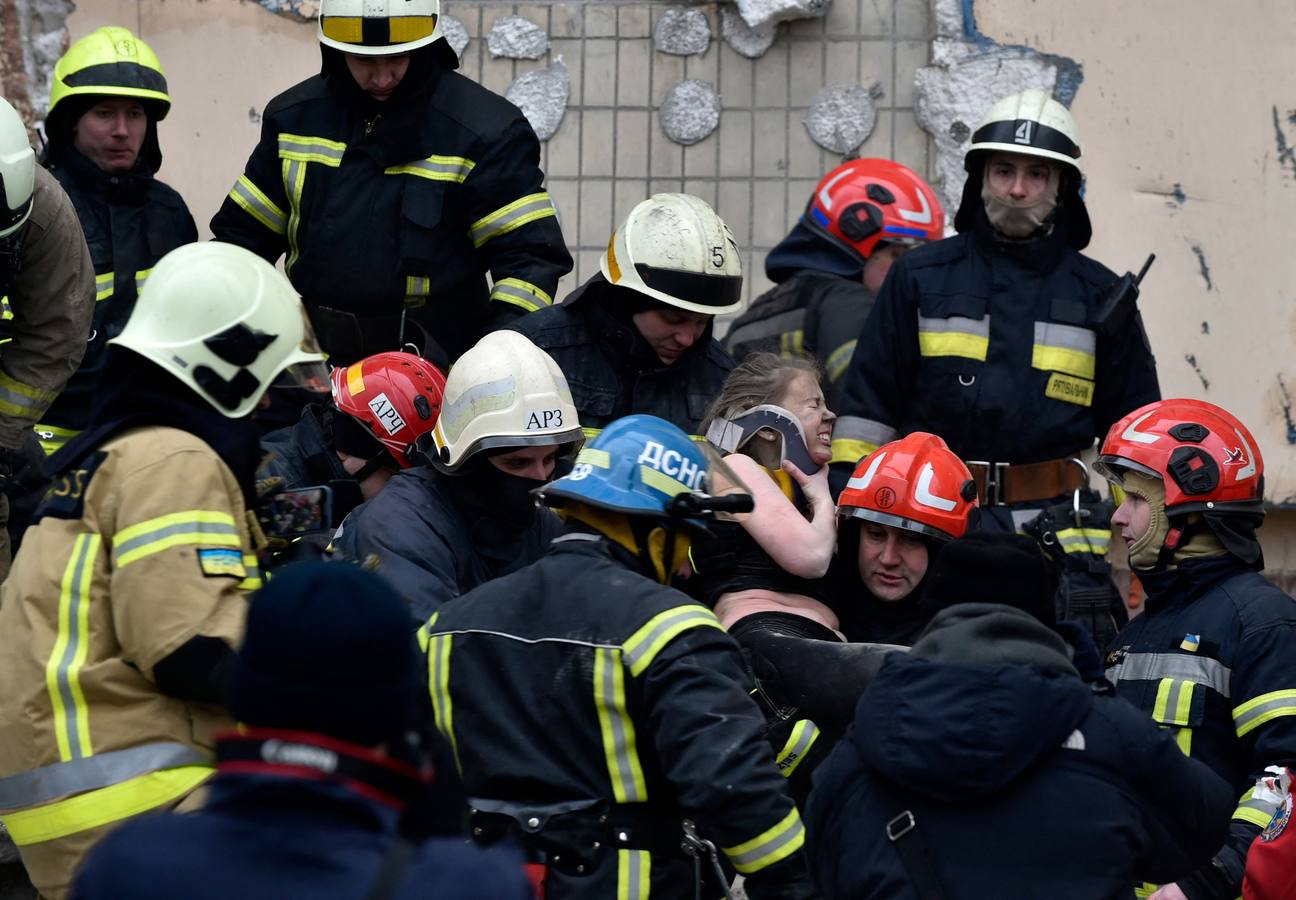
pixel 1207 459
pixel 397 396
pixel 867 202
pixel 915 483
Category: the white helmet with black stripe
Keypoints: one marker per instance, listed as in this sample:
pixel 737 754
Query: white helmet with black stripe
pixel 379 27
pixel 675 249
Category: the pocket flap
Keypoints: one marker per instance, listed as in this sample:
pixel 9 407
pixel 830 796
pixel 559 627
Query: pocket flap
pixel 1179 703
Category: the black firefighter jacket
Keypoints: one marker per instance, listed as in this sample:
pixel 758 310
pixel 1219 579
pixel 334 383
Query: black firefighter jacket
pixel 1213 660
pixel 1023 781
pixel 408 209
pixel 611 370
pixel 578 683
pixel 130 222
pixel 992 345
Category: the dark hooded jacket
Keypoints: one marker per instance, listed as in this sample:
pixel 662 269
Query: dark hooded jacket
pixel 611 369
pixel 816 308
pixel 1023 781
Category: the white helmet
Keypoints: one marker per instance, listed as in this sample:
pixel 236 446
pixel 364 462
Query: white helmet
pixel 674 248
pixel 225 322
pixel 1030 123
pixel 17 170
pixel 379 27
pixel 504 392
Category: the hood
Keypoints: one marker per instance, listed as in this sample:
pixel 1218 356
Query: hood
pixel 426 65
pixel 1190 578
pixel 986 692
pixel 1072 216
pixel 803 249
pixel 61 121
pixel 609 312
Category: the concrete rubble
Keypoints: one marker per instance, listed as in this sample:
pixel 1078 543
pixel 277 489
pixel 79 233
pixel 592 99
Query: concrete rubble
pixel 690 111
pixel 542 95
pixel 842 117
pixel 455 34
pixel 768 12
pixel 514 37
pixel 682 32
pixel 744 39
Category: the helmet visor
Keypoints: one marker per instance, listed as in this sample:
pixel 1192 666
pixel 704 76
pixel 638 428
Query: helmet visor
pixel 1113 468
pixel 305 376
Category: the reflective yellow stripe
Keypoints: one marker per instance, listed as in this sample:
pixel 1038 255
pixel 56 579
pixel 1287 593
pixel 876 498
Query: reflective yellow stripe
pixel 110 804
pixel 508 218
pixel 848 450
pixel 1257 812
pixel 417 289
pixel 193 526
pixel 619 747
pixel 294 177
pixel 52 437
pixel 633 871
pixel 21 400
pixel 839 359
pixel 520 293
pixel 355 379
pixel 439 682
pixel 6 311
pixel 436 168
pixel 600 459
pixel 1183 737
pixel 1264 708
pixel 1085 540
pixel 1173 704
pixel 792 343
pixel 769 846
pixel 954 336
pixel 103 286
pixel 311 149
pixel 62 671
pixel 253 201
pixel 1064 348
pixel 590 433
pixel 422 637
pixel 644 645
pixel 803 736
pixel 141 278
pixel 252 581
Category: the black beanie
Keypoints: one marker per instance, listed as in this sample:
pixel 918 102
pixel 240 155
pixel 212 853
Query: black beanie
pixel 329 648
pixel 985 567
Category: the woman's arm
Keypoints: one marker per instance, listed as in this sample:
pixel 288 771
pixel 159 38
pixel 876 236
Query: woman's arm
pixel 803 548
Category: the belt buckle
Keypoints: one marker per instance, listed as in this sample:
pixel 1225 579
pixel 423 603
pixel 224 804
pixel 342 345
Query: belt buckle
pixel 994 480
pixel 900 826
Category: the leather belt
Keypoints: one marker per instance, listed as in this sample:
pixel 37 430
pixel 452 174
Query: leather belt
pixel 1007 483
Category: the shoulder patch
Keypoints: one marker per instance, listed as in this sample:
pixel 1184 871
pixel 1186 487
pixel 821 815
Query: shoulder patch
pixel 65 496
pixel 215 561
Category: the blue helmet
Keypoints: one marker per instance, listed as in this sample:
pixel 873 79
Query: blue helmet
pixel 637 465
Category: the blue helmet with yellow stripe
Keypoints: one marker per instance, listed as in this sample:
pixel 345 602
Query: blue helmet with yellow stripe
pixel 638 465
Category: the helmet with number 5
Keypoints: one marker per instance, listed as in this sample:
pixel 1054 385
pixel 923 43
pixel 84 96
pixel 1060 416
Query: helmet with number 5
pixel 674 249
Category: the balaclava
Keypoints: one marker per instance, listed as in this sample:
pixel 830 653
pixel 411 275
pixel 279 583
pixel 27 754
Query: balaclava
pixel 1020 220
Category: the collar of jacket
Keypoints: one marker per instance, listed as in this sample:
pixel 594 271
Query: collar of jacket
pixel 1189 580
pixel 803 249
pixel 577 537
pixel 1040 254
pixel 617 336
pixel 126 189
pixel 310 757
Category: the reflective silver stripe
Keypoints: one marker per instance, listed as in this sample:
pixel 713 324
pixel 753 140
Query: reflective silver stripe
pixel 258 205
pixel 803 736
pixel 766 328
pixel 1265 711
pixel 745 860
pixel 634 874
pixel 853 428
pixel 311 150
pixel 526 298
pixel 1265 808
pixel 1154 666
pixel 515 215
pixel 77 595
pixel 1051 334
pixel 959 324
pixel 607 665
pixel 89 773
pixel 294 182
pixel 643 644
pixel 192 527
pixel 839 359
pixel 436 168
pixel 16 404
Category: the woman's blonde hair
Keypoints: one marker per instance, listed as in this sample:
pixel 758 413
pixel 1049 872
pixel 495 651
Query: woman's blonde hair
pixel 759 378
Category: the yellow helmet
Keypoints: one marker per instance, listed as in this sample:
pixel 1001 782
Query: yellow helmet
pixel 111 62
pixel 379 27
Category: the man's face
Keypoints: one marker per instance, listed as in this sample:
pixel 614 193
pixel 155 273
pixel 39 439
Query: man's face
pixel 378 76
pixel 111 133
pixel 1022 180
pixel 891 561
pixel 878 265
pixel 670 331
pixel 535 463
pixel 1133 517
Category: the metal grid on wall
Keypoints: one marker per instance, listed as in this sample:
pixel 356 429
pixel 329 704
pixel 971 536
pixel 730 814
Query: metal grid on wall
pixel 759 166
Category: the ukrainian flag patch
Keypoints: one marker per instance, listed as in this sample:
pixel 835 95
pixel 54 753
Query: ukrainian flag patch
pixel 222 561
pixel 1190 643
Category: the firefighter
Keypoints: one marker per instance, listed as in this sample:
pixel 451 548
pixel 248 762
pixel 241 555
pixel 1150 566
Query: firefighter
pixel 107 97
pixel 393 185
pixel 827 272
pixel 48 282
pixel 117 619
pixel 439 530
pixel 1000 340
pixel 657 724
pixel 1212 659
pixel 636 337
pixel 355 443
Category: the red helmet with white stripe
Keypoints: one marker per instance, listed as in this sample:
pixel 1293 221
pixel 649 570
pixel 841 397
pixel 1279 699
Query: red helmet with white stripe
pixel 396 396
pixel 867 202
pixel 1207 459
pixel 915 483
